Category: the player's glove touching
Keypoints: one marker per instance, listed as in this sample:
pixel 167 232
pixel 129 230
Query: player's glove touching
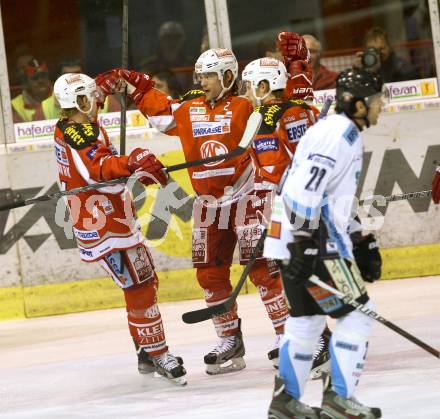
pixel 142 161
pixel 436 186
pixel 367 256
pixel 108 83
pixel 303 259
pixel 137 83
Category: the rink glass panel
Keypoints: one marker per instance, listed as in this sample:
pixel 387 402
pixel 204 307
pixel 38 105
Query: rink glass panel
pixel 339 26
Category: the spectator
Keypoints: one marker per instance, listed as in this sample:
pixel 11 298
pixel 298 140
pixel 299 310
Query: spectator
pixel 391 66
pixel 323 78
pixel 27 106
pixel 170 52
pixel 267 47
pixel 167 82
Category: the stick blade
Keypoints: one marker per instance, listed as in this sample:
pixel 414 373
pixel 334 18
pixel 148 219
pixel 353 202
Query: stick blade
pixel 251 130
pixel 203 314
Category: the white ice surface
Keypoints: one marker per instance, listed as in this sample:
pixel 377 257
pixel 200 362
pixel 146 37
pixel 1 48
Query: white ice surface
pixel 84 366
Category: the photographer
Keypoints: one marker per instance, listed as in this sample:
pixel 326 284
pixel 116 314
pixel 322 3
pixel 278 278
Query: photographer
pixel 379 57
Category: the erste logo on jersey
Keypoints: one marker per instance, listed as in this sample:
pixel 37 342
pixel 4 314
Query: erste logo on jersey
pixel 201 129
pixel 213 148
pixel 266 144
pixel 295 130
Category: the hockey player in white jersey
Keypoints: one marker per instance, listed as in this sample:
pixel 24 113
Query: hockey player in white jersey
pixel 318 195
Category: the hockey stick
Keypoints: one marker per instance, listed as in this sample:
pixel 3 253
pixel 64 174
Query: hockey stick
pixel 252 127
pixel 347 299
pixel 124 60
pixel 392 198
pixel 203 314
pixel 207 313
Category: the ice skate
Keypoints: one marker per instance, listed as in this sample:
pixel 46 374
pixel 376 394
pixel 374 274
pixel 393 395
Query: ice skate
pixel 321 357
pixel 274 354
pixel 168 366
pixel 145 362
pixel 227 356
pixel 338 407
pixel 284 406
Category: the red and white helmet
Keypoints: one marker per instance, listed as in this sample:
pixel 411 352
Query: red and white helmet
pixel 217 60
pixel 69 86
pixel 269 69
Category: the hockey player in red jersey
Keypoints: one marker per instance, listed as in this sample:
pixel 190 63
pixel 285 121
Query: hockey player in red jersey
pixel 104 221
pixel 211 121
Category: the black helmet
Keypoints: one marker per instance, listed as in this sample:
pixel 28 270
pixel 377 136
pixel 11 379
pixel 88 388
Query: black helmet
pixel 355 84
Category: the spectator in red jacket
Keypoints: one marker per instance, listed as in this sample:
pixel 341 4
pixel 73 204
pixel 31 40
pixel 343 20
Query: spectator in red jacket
pixel 323 78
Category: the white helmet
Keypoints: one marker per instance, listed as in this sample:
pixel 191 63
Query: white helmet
pixel 69 86
pixel 217 60
pixel 269 69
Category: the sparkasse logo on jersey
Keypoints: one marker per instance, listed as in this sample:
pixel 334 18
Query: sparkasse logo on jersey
pixel 201 129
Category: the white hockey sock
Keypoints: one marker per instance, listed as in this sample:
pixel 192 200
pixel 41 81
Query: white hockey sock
pixel 348 350
pixel 298 344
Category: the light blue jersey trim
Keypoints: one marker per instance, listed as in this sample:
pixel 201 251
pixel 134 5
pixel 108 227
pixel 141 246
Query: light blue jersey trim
pixel 305 211
pixel 334 234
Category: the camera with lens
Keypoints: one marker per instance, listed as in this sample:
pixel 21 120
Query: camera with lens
pixel 371 58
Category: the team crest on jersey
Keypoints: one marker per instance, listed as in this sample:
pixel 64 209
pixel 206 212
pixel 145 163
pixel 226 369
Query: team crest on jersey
pixel 197 110
pixel 199 118
pixel 61 155
pixel 266 144
pixel 351 134
pixel 295 130
pixel 202 129
pixel 213 148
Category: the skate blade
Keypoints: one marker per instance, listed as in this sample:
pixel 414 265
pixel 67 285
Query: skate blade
pixel 316 373
pixel 180 381
pixel 275 414
pixel 234 364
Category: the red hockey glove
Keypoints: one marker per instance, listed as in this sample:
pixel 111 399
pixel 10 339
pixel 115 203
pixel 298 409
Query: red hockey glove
pixel 137 83
pixel 299 82
pixel 293 47
pixel 436 186
pixel 142 160
pixel 108 83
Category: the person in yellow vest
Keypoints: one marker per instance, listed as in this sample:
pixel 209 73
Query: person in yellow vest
pixel 37 87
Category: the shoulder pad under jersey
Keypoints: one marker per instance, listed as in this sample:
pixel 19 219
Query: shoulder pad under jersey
pixel 271 115
pixel 191 94
pixel 79 136
pixel 298 102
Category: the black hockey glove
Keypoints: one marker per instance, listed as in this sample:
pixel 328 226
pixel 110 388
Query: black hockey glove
pixel 367 256
pixel 303 258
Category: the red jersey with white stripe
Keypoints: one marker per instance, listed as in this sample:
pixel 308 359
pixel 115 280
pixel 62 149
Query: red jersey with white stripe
pixel 103 219
pixel 205 130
